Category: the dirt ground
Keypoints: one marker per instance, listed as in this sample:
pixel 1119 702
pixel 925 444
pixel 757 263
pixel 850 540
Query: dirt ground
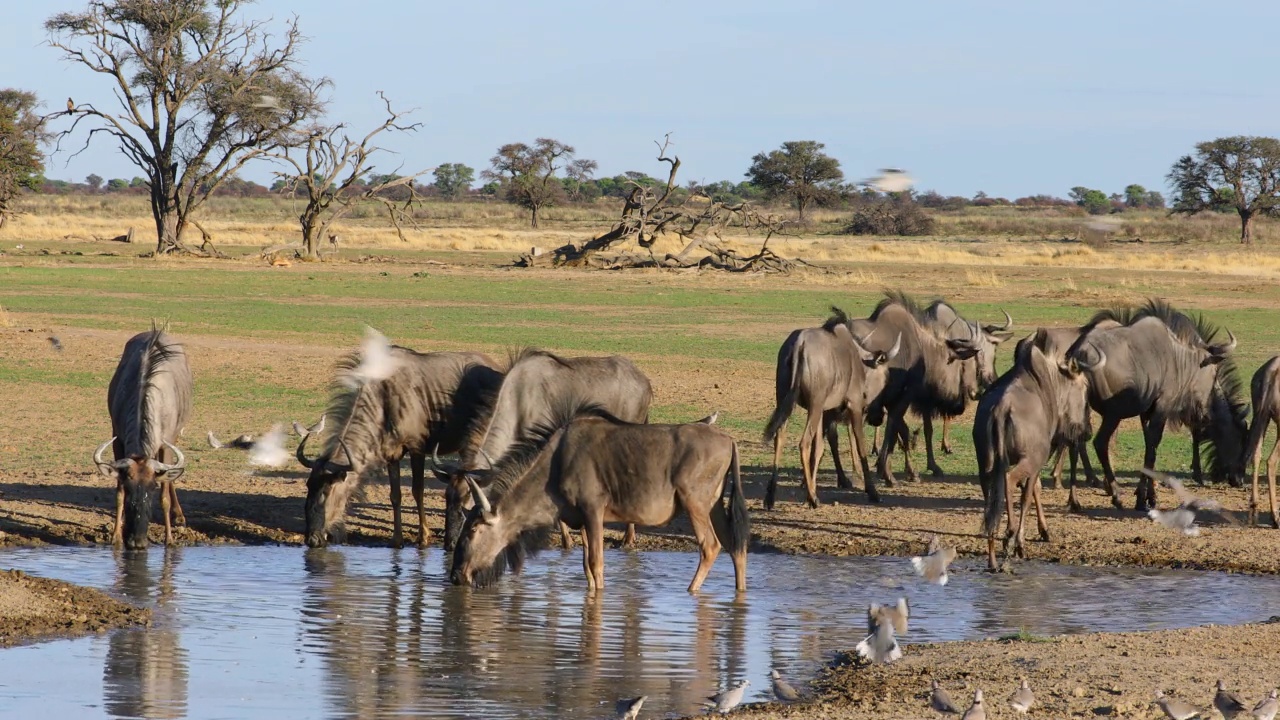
pixel 34 608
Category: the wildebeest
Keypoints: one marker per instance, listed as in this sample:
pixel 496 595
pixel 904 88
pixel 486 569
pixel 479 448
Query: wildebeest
pixel 928 373
pixel 595 469
pixel 829 373
pixel 149 399
pixel 946 321
pixel 1265 389
pixel 535 385
pixel 425 403
pixel 1162 368
pixel 1017 422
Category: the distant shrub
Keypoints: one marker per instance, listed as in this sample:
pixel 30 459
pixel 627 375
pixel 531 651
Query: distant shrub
pixel 890 216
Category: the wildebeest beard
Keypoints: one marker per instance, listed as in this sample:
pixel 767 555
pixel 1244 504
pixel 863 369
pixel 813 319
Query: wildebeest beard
pixel 137 516
pixel 527 544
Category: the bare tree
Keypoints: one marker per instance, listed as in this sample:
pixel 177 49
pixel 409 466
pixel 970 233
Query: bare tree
pixel 329 171
pixel 200 92
pixel 1240 173
pixel 528 173
pixel 22 132
pixel 649 212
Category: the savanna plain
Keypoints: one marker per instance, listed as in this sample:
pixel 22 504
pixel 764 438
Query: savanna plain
pixel 262 342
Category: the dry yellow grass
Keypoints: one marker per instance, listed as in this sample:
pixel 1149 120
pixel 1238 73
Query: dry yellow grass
pixel 978 278
pixel 5 320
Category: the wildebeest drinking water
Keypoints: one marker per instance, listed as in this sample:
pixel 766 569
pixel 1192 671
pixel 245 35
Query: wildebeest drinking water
pixel 149 399
pixel 829 373
pixel 536 384
pixel 417 403
pixel 596 469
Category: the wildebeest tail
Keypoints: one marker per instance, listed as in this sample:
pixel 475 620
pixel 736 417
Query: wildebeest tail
pixel 739 519
pixel 999 476
pixel 787 400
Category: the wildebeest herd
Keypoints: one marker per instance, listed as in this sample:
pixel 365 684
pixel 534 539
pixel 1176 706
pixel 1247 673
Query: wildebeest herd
pixel 545 441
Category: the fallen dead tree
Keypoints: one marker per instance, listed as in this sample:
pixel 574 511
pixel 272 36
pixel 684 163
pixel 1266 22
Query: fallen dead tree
pixel 699 221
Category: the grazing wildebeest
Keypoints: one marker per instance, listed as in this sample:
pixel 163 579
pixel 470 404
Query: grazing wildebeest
pixel 1265 388
pixel 1162 368
pixel 426 403
pixel 829 373
pixel 946 321
pixel 596 468
pixel 928 374
pixel 149 400
pixel 535 385
pixel 1017 422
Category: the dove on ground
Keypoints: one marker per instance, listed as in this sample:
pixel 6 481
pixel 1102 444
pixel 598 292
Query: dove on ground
pixel 269 450
pixel 302 430
pixel 214 442
pixel 976 711
pixel 932 566
pixel 1267 707
pixel 1179 518
pixel 941 702
pixel 884 623
pixel 1227 702
pixel 1022 700
pixel 1176 709
pixel 729 699
pixel 241 442
pixel 782 689
pixel 55 343
pixel 629 708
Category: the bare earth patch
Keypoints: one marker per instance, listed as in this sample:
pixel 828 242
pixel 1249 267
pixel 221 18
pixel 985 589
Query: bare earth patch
pixel 34 608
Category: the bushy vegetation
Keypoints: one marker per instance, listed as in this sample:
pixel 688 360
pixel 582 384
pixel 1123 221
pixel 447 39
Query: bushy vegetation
pixel 897 214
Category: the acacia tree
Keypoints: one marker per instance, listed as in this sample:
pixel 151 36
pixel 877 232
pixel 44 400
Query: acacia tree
pixel 330 170
pixel 453 179
pixel 22 132
pixel 528 173
pixel 799 171
pixel 199 92
pixel 1240 172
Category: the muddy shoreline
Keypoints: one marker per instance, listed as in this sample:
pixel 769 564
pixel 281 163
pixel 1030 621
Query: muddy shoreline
pixel 35 609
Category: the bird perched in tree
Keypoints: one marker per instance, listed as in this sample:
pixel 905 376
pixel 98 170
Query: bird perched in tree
pixel 729 699
pixel 71 106
pixel 629 708
pixel 932 566
pixel 883 624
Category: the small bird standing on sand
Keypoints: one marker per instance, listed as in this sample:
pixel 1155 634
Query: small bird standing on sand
pixel 629 708
pixel 940 701
pixel 1022 700
pixel 782 689
pixel 883 624
pixel 976 711
pixel 1226 702
pixel 932 566
pixel 55 343
pixel 1267 708
pixel 1176 709
pixel 729 699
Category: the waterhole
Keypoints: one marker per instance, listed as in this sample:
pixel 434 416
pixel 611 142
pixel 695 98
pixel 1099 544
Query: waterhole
pixel 272 632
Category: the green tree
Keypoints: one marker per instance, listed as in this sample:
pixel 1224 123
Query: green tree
pixel 1154 201
pixel 201 92
pixel 94 181
pixel 138 182
pixel 22 132
pixel 1095 202
pixel 453 179
pixel 117 184
pixel 1240 172
pixel 528 173
pixel 1135 196
pixel 798 171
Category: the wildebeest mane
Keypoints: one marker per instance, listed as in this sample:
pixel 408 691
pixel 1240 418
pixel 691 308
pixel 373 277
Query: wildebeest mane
pixel 1189 328
pixel 526 449
pixel 523 353
pixel 151 364
pixel 838 317
pixel 898 297
pixel 355 405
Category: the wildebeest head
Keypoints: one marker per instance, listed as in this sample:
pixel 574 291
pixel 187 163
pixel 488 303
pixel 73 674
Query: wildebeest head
pixel 485 541
pixel 989 339
pixel 876 362
pixel 1228 413
pixel 329 487
pixel 457 494
pixel 138 476
pixel 962 350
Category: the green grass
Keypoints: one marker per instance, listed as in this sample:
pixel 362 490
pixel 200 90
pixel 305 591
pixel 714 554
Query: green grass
pixel 1025 636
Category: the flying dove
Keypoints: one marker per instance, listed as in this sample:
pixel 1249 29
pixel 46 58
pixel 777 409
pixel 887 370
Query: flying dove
pixel 1227 703
pixel 1188 500
pixel 1176 709
pixel 267 102
pixel 940 701
pixel 890 180
pixel 55 343
pixel 303 430
pixel 976 711
pixel 933 565
pixel 1179 518
pixel 629 708
pixel 269 450
pixel 1022 700
pixel 782 689
pixel 881 644
pixel 729 699
pixel 1267 707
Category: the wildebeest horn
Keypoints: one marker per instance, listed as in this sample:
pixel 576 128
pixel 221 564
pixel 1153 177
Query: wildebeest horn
pixel 893 351
pixel 351 463
pixel 1095 365
pixel 302 456
pixel 182 459
pixel 1226 349
pixel 441 470
pixel 488 460
pixel 97 454
pixel 477 494
pixel 1008 323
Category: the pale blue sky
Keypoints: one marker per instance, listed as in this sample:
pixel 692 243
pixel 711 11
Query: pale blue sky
pixel 1013 98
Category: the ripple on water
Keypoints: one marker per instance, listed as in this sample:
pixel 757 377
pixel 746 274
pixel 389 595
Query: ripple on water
pixel 366 632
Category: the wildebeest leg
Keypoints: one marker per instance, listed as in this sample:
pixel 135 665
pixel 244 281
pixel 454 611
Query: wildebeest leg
pixel 418 466
pixel 831 426
pixel 931 463
pixel 708 544
pixel 946 433
pixel 810 452
pixel 1028 480
pixel 886 452
pixel 117 536
pixel 1072 449
pixel 595 541
pixel 1102 446
pixel 1082 449
pixel 770 494
pixel 858 446
pixel 393 476
pixel 1152 433
pixel 1010 487
pixel 1059 455
pixel 1272 460
pixel 629 537
pixel 1256 460
pixel 875 440
pixel 1197 473
pixel 1041 524
pixel 179 519
pixel 907 440
pixel 566 537
pixel 166 507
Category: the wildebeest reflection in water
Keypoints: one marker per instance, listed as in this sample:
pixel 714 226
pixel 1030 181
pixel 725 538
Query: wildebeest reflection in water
pixel 145 674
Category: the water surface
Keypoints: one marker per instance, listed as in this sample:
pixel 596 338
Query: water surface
pixel 270 632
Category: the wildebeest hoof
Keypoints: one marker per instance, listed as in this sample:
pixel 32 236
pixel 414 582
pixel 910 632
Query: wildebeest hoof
pixel 1117 503
pixel 914 477
pixel 873 496
pixel 1074 507
pixel 936 471
pixel 180 520
pixel 844 483
pixel 1044 536
pixel 813 502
